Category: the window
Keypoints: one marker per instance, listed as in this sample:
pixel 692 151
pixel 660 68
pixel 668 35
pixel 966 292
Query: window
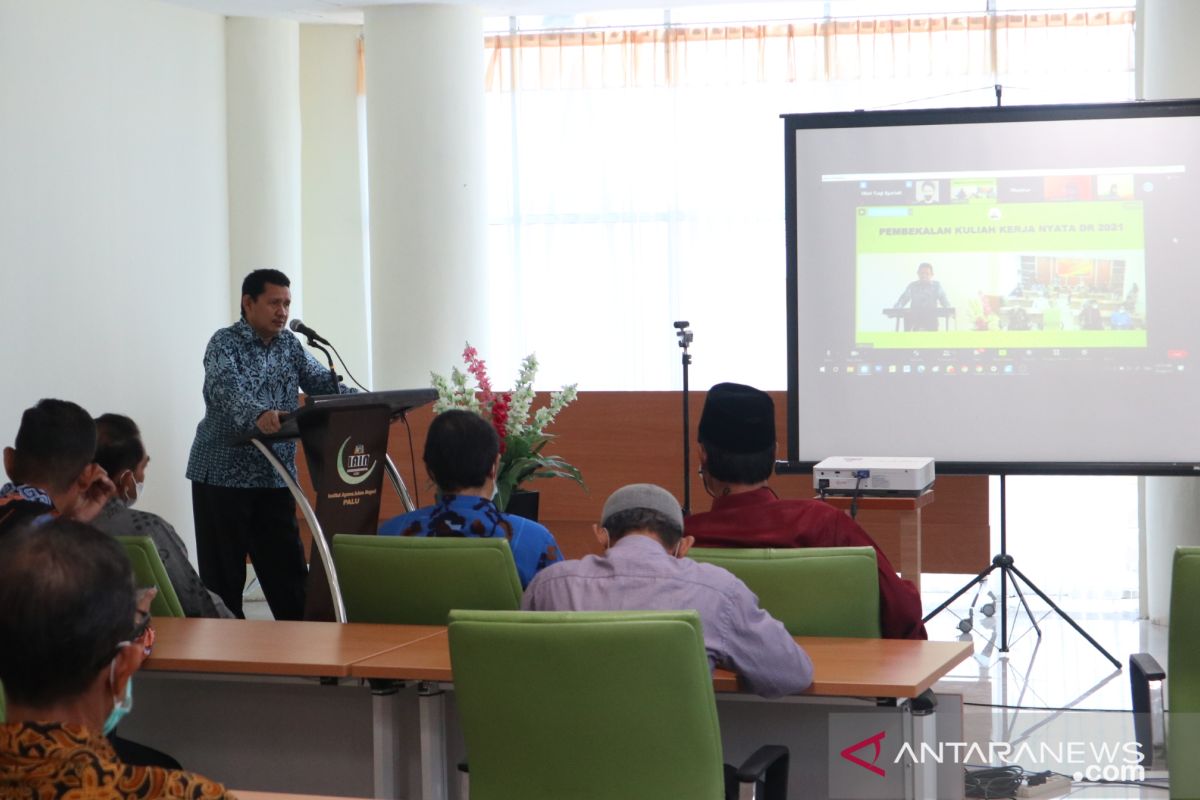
pixel 636 172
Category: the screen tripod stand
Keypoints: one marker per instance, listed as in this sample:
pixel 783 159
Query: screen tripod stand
pixel 1008 571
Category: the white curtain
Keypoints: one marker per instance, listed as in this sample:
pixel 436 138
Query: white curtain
pixel 636 175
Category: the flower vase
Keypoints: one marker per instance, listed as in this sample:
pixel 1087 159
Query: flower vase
pixel 523 503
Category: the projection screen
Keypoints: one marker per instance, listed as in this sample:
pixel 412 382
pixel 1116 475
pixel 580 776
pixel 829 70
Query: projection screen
pixel 1002 289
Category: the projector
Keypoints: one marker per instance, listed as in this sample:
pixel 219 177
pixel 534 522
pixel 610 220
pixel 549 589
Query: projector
pixel 873 475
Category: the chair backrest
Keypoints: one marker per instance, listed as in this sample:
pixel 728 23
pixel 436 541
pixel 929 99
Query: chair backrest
pixel 1183 675
pixel 417 580
pixel 148 570
pixel 813 591
pixel 586 705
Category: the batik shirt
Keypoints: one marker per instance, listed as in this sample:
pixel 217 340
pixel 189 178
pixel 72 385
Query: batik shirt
pixel 243 378
pixel 533 547
pixel 49 761
pixel 20 504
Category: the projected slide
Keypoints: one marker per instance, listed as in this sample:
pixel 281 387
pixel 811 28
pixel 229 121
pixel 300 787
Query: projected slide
pixel 996 285
pixel 1055 270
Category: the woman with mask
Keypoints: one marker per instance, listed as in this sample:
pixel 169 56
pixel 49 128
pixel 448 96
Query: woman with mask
pixel 120 451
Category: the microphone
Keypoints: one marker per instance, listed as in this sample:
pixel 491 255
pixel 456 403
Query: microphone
pixel 298 326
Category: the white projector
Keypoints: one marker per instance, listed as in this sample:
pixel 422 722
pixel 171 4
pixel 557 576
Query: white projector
pixel 873 475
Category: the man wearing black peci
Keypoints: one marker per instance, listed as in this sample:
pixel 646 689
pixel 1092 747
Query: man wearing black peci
pixel 253 373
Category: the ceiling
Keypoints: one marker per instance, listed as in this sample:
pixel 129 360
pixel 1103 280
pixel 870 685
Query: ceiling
pixel 349 12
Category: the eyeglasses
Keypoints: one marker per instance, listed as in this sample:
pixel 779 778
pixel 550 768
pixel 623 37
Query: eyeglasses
pixel 142 633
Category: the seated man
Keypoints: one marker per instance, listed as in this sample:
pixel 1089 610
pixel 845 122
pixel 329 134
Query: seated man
pixel 644 569
pixel 462 454
pixel 51 468
pixel 71 637
pixel 121 453
pixel 737 455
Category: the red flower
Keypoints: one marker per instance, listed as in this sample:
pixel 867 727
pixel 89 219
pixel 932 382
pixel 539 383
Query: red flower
pixel 499 412
pixel 478 369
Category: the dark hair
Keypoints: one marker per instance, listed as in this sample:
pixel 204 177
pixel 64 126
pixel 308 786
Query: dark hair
pixel 740 468
pixel 118 444
pixel 256 282
pixel 642 519
pixel 66 600
pixel 56 440
pixel 460 449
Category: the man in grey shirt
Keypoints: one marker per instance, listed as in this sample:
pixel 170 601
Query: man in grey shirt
pixel 644 569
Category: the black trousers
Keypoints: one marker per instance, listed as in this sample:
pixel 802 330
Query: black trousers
pixel 232 523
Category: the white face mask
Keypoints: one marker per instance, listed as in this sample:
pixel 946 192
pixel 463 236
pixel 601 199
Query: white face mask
pixel 138 488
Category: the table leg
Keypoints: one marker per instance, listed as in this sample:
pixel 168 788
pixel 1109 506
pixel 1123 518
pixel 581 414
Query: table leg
pixel 431 702
pixel 385 714
pixel 910 546
pixel 920 730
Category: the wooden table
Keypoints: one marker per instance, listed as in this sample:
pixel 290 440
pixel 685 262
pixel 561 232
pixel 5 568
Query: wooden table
pixel 909 510
pixel 260 647
pixel 899 668
pixel 873 668
pixel 300 651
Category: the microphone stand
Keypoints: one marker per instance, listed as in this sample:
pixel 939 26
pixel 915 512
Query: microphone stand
pixel 337 379
pixel 685 339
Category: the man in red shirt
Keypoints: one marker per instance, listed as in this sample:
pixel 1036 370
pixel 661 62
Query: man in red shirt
pixel 737 456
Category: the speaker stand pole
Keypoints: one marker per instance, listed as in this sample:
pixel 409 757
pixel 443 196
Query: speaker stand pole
pixel 685 339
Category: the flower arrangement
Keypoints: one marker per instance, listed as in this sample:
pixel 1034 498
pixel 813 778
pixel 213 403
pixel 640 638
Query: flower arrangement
pixel 522 434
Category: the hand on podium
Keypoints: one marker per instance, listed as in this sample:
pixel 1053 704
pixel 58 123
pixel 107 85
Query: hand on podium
pixel 270 421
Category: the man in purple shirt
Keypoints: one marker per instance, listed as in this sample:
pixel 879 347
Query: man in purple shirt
pixel 644 569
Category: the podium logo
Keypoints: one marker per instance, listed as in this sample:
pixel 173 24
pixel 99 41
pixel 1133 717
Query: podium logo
pixel 872 741
pixel 357 466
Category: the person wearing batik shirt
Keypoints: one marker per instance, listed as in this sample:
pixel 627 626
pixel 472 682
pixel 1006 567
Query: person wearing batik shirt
pixel 737 456
pixel 51 468
pixel 462 455
pixel 72 633
pixel 253 373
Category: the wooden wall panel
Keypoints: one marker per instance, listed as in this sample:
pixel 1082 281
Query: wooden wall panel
pixel 617 438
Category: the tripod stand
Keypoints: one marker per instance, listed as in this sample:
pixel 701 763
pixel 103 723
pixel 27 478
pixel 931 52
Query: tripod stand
pixel 1008 571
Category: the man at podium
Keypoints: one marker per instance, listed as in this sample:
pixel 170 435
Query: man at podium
pixel 253 373
pixel 923 297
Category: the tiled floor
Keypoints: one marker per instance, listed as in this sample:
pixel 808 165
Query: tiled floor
pixel 1056 694
pixel 1055 691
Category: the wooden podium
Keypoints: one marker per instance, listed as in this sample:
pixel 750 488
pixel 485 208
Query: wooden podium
pixel 908 509
pixel 345 440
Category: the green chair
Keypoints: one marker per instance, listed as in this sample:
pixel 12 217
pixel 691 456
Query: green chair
pixel 148 570
pixel 416 580
pixel 592 706
pixel 813 591
pixel 1183 684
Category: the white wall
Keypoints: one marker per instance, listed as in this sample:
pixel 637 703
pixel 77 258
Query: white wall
pixel 262 85
pixel 114 265
pixel 428 203
pixel 335 277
